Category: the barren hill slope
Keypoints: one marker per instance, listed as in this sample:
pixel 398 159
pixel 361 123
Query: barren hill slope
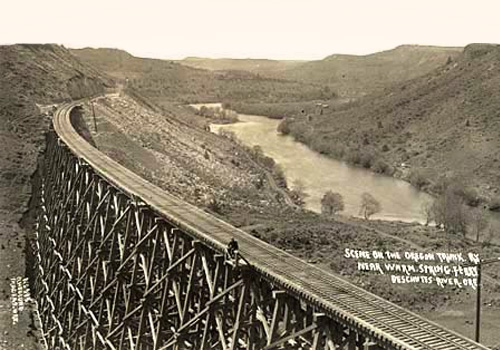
pixel 122 65
pixel 47 73
pixel 166 81
pixel 258 66
pixel 445 122
pixel 29 75
pixel 348 75
pixel 357 75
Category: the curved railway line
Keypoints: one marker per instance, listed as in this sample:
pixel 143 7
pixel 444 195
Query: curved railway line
pixel 390 325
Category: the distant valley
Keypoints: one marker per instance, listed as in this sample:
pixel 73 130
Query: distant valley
pixel 348 75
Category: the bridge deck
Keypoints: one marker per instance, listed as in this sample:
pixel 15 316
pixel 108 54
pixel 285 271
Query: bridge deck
pixel 340 299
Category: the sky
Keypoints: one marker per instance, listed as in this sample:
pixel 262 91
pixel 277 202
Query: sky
pixel 275 29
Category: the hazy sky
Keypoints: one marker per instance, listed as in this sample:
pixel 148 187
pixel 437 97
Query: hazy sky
pixel 293 29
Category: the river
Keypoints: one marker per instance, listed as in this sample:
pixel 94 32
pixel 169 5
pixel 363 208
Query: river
pixel 317 173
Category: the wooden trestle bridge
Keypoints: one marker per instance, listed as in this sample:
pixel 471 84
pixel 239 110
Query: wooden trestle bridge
pixel 120 264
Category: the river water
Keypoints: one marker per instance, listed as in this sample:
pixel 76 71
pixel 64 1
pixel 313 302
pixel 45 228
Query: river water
pixel 317 173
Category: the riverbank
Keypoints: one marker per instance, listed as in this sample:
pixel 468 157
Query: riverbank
pixel 294 119
pixel 313 174
pixel 437 127
pixel 460 186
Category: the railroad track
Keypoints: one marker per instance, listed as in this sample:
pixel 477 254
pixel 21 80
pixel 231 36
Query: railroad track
pixel 341 300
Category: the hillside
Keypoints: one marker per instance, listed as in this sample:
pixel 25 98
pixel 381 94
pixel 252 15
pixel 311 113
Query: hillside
pixel 166 81
pixel 357 75
pixel 444 123
pixel 31 76
pixel 257 66
pixel 347 75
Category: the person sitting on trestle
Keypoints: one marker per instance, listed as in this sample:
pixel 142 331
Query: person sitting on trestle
pixel 232 249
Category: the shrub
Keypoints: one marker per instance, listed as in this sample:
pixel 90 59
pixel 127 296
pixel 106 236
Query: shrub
pixel 380 167
pixel 366 159
pixel 494 204
pixel 417 178
pixel 297 193
pixel 469 195
pixel 323 146
pixel 215 205
pixel 353 156
pixel 427 210
pixel 369 205
pixel 450 211
pixel 279 176
pixel 478 222
pixel 331 203
pixel 284 127
pixel 228 134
